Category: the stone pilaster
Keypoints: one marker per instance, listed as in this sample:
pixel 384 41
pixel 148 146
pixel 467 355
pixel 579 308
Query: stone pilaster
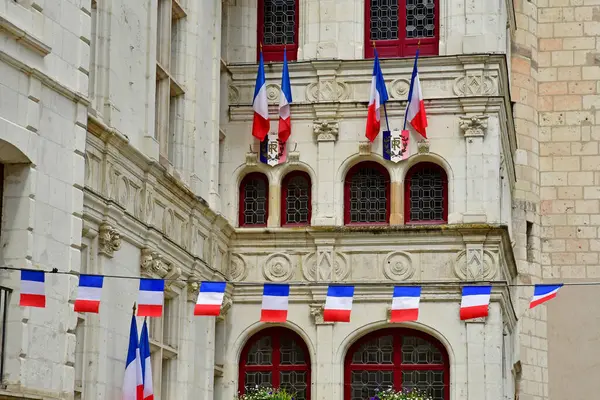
pixel 326 134
pixel 474 129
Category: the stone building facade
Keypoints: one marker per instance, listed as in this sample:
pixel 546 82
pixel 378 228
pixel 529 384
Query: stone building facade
pixel 127 151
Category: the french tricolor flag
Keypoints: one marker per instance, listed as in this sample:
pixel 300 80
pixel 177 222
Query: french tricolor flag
pixel 151 297
pixel 261 123
pixel 377 97
pixel 415 109
pixel 210 298
pixel 285 99
pixel 133 383
pixel 338 304
pixel 543 293
pixel 405 304
pixel 275 303
pixel 475 302
pixel 146 363
pixel 89 293
pixel 33 292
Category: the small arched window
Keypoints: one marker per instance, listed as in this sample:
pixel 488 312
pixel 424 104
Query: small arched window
pixel 276 357
pixel 254 200
pixel 426 194
pixel 296 199
pixel 367 194
pixel 396 358
pixel 278 29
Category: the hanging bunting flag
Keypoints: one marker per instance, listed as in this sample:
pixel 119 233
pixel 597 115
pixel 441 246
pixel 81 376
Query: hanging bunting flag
pixel 475 302
pixel 33 292
pixel 338 304
pixel 543 293
pixel 272 150
pixel 378 96
pixel 275 303
pixel 405 304
pixel 210 298
pixel 151 297
pixel 395 145
pixel 415 109
pixel 89 294
pixel 261 123
pixel 285 99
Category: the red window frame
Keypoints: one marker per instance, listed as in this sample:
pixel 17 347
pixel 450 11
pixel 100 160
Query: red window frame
pixel 274 53
pixel 347 183
pixel 275 333
pixel 397 366
pixel 284 193
pixel 414 169
pixel 242 198
pixel 402 47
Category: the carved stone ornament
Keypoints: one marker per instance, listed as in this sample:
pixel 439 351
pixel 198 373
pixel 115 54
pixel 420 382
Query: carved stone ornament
pixel 364 148
pixel 399 89
pixel 326 131
pixel 475 264
pixel 423 146
pixel 227 303
pixel 192 290
pixel 237 268
pixel 278 268
pixel 327 90
pixel 475 84
pixel 293 157
pixel 316 310
pixel 251 159
pixel 273 91
pixel 233 95
pixel 325 265
pixel 398 266
pixel 474 126
pixel 152 263
pixel 109 240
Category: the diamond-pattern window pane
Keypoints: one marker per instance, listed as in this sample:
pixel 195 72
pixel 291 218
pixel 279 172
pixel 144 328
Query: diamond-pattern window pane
pixel 297 200
pixel 257 379
pixel 294 382
pixel 416 350
pixel 384 19
pixel 261 352
pixel 427 194
pixel 279 22
pixel 376 351
pixel 430 382
pixel 366 384
pixel 255 202
pixel 291 353
pixel 368 196
pixel 420 18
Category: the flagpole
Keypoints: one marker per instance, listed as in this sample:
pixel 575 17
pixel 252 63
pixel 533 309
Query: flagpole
pixel 387 122
pixel 406 111
pixel 134 308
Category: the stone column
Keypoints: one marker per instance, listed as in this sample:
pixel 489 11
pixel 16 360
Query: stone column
pixel 324 389
pixel 474 128
pixel 326 134
pixel 274 217
pixel 475 358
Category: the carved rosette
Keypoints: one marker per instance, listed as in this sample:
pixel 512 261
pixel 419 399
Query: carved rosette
pixel 475 264
pixel 237 268
pixel 399 89
pixel 474 126
pixel 278 268
pixel 325 265
pixel 233 95
pixel 398 266
pixel 109 240
pixel 273 91
pixel 316 311
pixel 326 131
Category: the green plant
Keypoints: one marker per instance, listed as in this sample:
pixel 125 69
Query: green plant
pixel 390 394
pixel 266 393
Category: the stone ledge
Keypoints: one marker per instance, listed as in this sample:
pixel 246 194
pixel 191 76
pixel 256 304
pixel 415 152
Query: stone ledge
pixel 24 37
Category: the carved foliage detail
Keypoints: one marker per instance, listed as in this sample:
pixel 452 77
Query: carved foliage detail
pixel 475 264
pixel 316 310
pixel 474 126
pixel 278 268
pixel 326 131
pixel 398 266
pixel 109 240
pixel 152 263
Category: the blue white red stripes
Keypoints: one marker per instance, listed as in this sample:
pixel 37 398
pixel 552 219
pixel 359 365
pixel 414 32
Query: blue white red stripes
pixel 285 99
pixel 543 293
pixel 33 291
pixel 89 293
pixel 261 123
pixel 148 392
pixel 405 303
pixel 377 97
pixel 133 385
pixel 151 297
pixel 415 109
pixel 338 303
pixel 210 298
pixel 275 303
pixel 475 302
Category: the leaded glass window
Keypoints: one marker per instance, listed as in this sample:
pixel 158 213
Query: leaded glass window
pixel 277 28
pixel 296 198
pixel 399 359
pixel 426 188
pixel 367 194
pixel 276 357
pixel 254 195
pixel 420 18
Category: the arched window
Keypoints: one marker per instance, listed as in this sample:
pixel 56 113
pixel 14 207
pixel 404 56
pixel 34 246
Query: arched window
pixel 367 194
pixel 399 27
pixel 278 29
pixel 397 358
pixel 426 194
pixel 254 200
pixel 296 199
pixel 276 357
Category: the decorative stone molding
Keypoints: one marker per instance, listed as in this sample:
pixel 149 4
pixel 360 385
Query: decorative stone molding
pixel 227 303
pixel 398 266
pixel 326 131
pixel 152 263
pixel 475 83
pixel 423 146
pixel 325 265
pixel 364 148
pixel 109 240
pixel 480 320
pixel 475 264
pixel 278 268
pixel 316 311
pixel 327 90
pixel 474 126
pixel 238 270
pixel 251 159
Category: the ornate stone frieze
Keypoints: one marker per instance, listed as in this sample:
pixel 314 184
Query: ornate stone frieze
pixel 325 265
pixel 278 268
pixel 316 310
pixel 475 263
pixel 326 131
pixel 327 90
pixel 474 126
pixel 475 83
pixel 398 266
pixel 364 148
pixel 109 240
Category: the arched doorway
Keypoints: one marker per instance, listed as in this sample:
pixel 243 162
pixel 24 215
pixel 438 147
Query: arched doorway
pixel 398 358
